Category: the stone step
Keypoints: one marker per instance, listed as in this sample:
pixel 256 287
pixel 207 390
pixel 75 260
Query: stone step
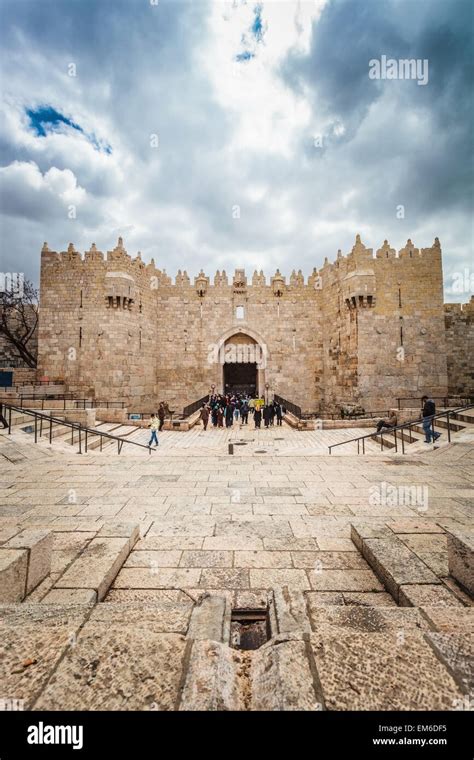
pixel 96 568
pixel 394 670
pixel 461 558
pixel 39 547
pixel 391 560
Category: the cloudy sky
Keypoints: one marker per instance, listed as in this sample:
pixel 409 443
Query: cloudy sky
pixel 227 134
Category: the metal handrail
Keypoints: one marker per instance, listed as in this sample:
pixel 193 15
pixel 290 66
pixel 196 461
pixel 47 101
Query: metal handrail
pixel 194 406
pixel 409 425
pixel 444 399
pixel 80 403
pixel 65 423
pixel 289 406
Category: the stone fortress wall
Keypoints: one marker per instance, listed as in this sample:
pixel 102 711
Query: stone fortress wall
pixel 364 329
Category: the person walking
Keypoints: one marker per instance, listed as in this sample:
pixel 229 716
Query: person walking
pixel 237 406
pixel 279 413
pixel 161 415
pixel 154 425
pixel 229 414
pixel 2 418
pixel 429 410
pixel 204 416
pixel 257 415
pixel 244 412
pixel 266 415
pixel 272 413
pixel 220 416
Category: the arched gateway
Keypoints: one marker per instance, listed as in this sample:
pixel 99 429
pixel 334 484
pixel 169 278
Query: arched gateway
pixel 242 354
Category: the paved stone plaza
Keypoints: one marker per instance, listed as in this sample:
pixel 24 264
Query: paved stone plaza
pixel 144 561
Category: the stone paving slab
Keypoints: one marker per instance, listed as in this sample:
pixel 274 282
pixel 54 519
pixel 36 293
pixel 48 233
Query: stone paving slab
pixel 425 594
pixel 281 677
pixel 205 559
pixel 215 679
pixel 395 564
pixel 153 559
pixel 115 667
pixel 170 615
pixel 160 577
pixel 344 580
pixel 443 619
pixel 33 639
pixel 330 620
pixel 274 577
pixel 382 671
pixel 225 578
pixel 369 599
pixel 97 566
pixel 456 651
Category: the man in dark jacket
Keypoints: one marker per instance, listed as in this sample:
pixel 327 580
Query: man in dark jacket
pixel 279 413
pixel 161 415
pixel 429 410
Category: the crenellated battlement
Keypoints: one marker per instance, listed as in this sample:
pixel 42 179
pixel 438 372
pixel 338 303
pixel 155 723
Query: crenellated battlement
pixel 359 257
pixel 334 335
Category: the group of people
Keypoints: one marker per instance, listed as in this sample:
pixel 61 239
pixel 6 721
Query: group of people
pixel 232 408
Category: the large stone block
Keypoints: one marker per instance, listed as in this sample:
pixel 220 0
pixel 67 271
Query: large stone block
pixel 382 671
pixel 13 574
pixel 117 667
pixel 210 619
pixel 39 545
pixel 456 651
pixel 215 678
pixel 33 640
pixel 281 677
pixel 425 594
pixel 97 566
pixel 461 558
pixel 395 564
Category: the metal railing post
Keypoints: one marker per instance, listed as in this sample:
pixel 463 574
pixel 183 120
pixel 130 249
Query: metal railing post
pixel 10 421
pixel 86 441
pixel 449 427
pixel 50 430
pixel 396 443
pixel 36 429
pixel 80 440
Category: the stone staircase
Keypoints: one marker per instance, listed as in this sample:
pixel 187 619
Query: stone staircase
pixel 459 423
pixel 63 438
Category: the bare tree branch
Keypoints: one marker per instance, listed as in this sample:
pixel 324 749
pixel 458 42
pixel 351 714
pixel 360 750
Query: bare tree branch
pixel 19 320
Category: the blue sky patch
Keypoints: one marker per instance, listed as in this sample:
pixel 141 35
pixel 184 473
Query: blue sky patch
pixel 245 56
pixel 257 26
pixel 45 119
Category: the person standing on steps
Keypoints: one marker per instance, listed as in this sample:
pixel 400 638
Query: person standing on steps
pixel 161 415
pixel 279 413
pixel 429 410
pixel 154 425
pixel 204 416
